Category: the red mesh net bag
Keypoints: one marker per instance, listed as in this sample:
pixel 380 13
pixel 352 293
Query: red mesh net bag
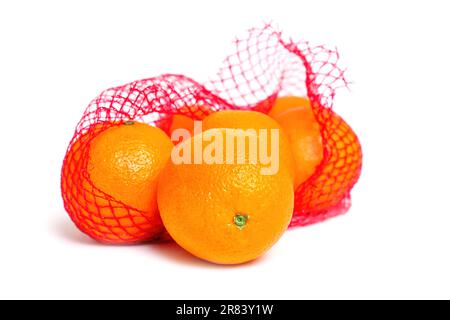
pixel 263 67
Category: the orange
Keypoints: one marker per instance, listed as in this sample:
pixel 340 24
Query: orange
pixel 224 213
pixel 286 103
pixel 304 136
pixel 243 119
pixel 109 181
pixel 338 172
pixel 180 121
pixel 185 119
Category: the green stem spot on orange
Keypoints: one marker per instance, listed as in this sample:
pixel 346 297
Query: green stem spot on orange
pixel 240 220
pixel 128 123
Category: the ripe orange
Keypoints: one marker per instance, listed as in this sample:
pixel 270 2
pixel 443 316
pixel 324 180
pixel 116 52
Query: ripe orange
pixel 286 103
pixel 304 135
pixel 111 195
pixel 338 172
pixel 242 119
pixel 180 121
pixel 224 213
pixel 188 113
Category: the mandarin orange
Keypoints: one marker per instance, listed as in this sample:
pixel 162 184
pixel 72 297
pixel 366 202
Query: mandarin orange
pixel 337 173
pixel 111 194
pixel 224 213
pixel 305 139
pixel 253 120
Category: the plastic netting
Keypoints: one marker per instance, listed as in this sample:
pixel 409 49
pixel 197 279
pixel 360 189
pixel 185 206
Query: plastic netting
pixel 263 67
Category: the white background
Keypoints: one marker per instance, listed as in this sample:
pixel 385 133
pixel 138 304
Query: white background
pixel 394 243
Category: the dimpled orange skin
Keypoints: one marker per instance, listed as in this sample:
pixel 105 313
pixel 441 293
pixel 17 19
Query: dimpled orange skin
pixel 243 119
pixel 304 135
pixel 199 204
pixel 124 163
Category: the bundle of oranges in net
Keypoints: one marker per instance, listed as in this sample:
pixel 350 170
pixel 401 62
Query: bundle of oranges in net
pixel 135 169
